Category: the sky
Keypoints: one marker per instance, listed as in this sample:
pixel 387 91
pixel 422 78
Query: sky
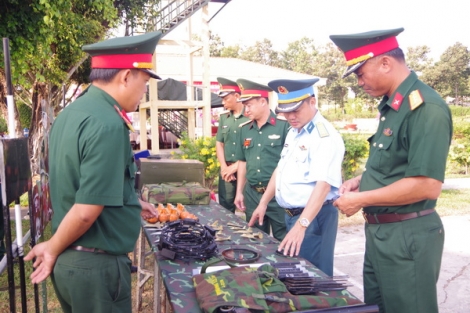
pixel 435 23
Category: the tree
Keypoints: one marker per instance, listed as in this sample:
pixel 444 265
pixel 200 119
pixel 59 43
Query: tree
pixel 417 58
pixel 450 75
pixel 261 52
pixel 46 37
pixel 299 56
pixel 231 52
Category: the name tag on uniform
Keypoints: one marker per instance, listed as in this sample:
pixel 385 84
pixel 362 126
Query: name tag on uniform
pixel 274 136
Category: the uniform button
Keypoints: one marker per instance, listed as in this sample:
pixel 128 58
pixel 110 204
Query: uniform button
pixel 234 143
pixel 234 131
pixel 259 182
pixel 365 169
pixel 259 145
pixel 374 144
pixel 382 118
pixel 257 158
pixel 381 145
pixel 258 172
pixel 260 133
pixel 233 154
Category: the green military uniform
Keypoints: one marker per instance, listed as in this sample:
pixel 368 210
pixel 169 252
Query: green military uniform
pixel 402 259
pixel 91 162
pixel 227 134
pixel 261 149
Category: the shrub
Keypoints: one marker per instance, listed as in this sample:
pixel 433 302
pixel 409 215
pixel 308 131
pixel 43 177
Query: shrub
pixel 356 150
pixel 25 113
pixel 202 149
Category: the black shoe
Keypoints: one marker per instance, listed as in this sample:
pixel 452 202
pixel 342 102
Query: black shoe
pixel 133 269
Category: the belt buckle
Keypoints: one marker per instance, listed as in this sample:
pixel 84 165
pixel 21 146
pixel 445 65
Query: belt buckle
pixel 289 212
pixel 364 215
pixel 260 189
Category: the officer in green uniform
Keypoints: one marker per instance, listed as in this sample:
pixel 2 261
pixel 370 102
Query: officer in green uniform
pixel 259 150
pixel 97 214
pixel 226 141
pixel 403 176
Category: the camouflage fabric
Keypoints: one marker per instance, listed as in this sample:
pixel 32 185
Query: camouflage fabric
pixel 177 274
pixel 184 193
pixel 257 290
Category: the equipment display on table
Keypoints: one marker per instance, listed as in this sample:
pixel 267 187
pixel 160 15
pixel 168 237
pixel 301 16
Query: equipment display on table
pixel 256 289
pixel 184 193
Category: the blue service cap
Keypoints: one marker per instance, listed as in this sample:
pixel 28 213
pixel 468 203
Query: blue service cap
pixel 291 93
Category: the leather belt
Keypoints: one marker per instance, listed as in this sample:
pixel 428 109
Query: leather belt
pixel 372 218
pixel 296 211
pixel 85 249
pixel 260 189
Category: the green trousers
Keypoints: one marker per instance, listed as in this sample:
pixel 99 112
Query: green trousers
pixel 402 264
pixel 92 282
pixel 274 217
pixel 227 191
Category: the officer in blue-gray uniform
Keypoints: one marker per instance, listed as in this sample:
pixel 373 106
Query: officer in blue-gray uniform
pixel 307 176
pixel 259 150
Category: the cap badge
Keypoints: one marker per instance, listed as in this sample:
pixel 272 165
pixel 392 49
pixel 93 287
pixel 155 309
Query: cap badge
pixel 282 90
pixel 241 87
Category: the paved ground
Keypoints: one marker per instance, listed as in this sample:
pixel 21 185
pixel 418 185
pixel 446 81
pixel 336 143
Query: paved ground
pixel 454 281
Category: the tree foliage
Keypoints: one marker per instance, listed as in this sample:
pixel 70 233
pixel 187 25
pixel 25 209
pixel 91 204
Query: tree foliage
pixel 46 37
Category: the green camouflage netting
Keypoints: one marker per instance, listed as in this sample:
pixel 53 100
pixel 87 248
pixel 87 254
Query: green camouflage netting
pixel 184 193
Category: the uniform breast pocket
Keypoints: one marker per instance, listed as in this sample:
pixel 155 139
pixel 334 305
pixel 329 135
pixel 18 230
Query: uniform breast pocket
pixel 381 155
pixel 273 147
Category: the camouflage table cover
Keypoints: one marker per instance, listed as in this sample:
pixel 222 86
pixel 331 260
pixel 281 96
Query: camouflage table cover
pixel 177 274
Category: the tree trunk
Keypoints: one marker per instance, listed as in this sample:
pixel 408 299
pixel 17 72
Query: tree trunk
pixel 39 130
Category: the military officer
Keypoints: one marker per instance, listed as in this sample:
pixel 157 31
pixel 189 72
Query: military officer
pixel 403 177
pixel 97 214
pixel 307 176
pixel 226 141
pixel 259 150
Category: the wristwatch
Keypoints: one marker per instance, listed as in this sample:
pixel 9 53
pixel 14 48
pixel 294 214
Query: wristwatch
pixel 304 222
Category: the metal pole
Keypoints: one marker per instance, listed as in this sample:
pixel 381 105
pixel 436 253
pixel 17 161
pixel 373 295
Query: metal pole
pixel 12 134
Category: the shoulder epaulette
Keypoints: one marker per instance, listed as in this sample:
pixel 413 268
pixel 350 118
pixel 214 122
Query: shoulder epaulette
pixel 224 112
pixel 322 132
pixel 416 99
pixel 281 117
pixel 244 123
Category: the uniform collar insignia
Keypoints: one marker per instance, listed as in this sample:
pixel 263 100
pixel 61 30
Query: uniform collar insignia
pixel 310 127
pixel 272 121
pixel 396 102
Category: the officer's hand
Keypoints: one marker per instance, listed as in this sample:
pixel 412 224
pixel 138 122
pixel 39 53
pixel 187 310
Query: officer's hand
pixel 239 202
pixel 258 215
pixel 44 263
pixel 230 178
pixel 291 243
pixel 148 210
pixel 351 185
pixel 348 203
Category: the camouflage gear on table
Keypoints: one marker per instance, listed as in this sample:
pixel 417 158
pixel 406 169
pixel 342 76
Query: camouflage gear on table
pixel 256 289
pixel 177 274
pixel 184 193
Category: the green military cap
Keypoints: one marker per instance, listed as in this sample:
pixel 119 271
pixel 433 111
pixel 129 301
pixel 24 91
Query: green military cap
pixel 252 90
pixel 227 86
pixel 358 48
pixel 130 52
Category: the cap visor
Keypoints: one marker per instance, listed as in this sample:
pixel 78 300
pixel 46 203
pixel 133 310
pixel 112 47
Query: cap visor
pixel 351 69
pixel 151 73
pixel 288 107
pixel 243 99
pixel 224 93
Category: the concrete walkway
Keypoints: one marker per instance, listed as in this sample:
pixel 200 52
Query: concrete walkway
pixel 454 282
